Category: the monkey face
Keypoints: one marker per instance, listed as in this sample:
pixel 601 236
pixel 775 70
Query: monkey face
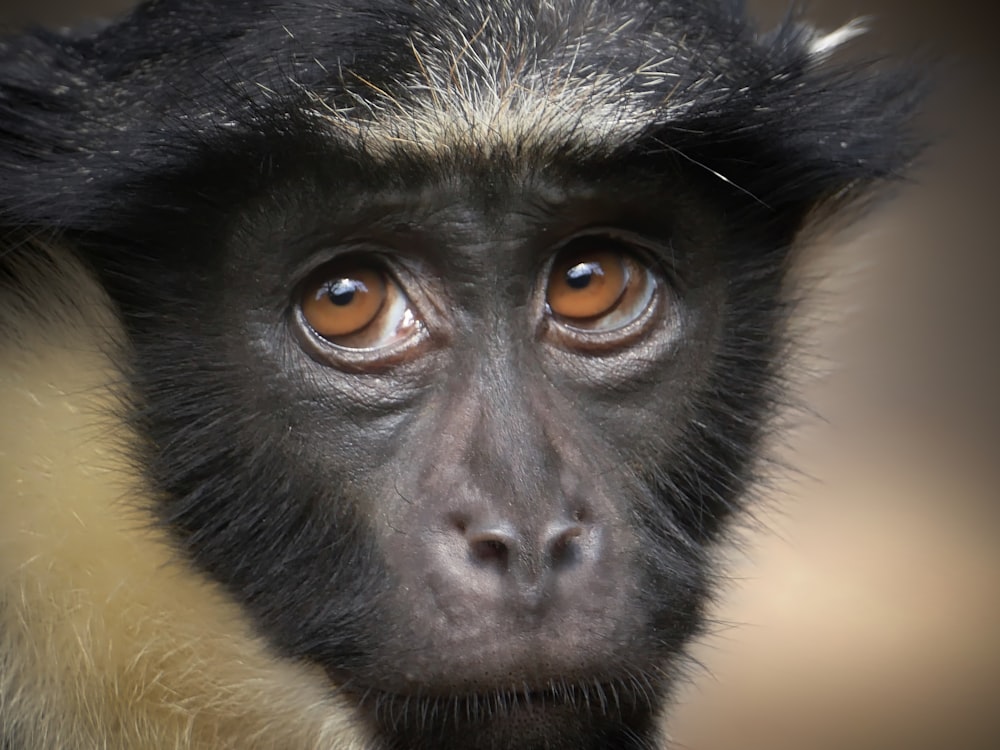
pixel 447 378
pixel 449 336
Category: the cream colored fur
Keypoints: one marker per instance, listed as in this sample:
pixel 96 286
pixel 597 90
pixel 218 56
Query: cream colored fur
pixel 107 639
pixel 483 92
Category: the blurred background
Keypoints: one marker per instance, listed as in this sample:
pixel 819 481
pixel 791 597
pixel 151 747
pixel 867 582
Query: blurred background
pixel 864 608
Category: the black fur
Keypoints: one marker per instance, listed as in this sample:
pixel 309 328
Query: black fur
pixel 174 150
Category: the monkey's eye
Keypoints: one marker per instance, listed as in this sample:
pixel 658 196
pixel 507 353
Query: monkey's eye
pixel 596 286
pixel 356 305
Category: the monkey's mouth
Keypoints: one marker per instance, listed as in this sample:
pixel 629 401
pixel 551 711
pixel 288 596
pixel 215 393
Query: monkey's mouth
pixel 564 715
pixel 610 697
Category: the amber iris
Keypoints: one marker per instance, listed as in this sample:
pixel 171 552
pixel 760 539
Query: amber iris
pixel 587 285
pixel 344 301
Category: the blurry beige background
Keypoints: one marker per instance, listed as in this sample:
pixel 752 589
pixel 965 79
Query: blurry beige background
pixel 865 613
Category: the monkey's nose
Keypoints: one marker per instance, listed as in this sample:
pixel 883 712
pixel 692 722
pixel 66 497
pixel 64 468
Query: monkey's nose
pixel 504 548
pixel 484 567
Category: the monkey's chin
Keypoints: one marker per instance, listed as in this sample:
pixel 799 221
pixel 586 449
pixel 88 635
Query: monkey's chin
pixel 563 717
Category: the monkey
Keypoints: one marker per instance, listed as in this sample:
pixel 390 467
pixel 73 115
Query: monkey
pixel 388 375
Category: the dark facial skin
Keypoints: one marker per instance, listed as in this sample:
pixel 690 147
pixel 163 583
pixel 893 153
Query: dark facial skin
pixel 483 526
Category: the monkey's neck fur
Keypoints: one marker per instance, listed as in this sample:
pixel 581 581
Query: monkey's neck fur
pixel 108 639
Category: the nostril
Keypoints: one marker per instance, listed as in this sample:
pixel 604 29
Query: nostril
pixel 488 550
pixel 562 544
pixel 491 546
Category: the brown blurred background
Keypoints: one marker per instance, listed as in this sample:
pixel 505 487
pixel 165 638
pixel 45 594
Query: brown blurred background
pixel 865 610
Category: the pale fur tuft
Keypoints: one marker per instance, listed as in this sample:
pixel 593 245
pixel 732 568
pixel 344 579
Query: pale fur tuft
pixel 822 45
pixel 488 91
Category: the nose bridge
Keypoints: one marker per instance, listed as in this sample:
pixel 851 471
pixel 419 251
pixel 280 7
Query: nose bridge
pixel 510 455
pixel 502 523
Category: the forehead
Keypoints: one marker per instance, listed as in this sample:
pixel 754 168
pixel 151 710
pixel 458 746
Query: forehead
pixel 434 76
pixel 521 76
pixel 524 84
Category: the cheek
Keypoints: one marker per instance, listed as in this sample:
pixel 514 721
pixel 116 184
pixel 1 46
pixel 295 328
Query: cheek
pixel 641 406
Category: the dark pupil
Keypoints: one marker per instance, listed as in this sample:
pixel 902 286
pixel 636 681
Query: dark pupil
pixel 342 291
pixel 580 275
